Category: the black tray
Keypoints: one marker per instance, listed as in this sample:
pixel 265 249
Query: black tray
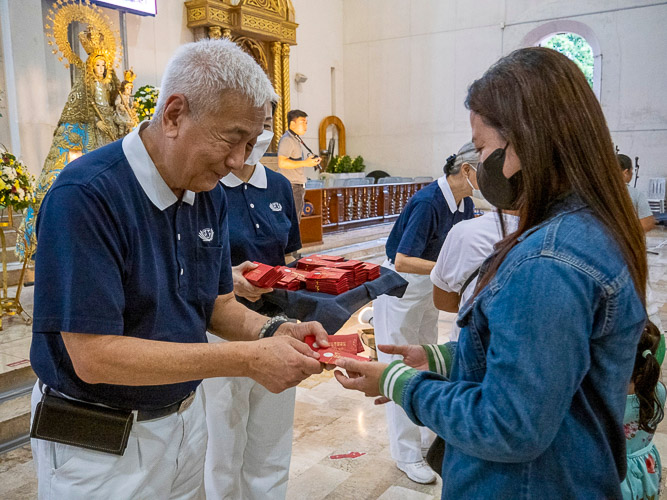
pixel 332 311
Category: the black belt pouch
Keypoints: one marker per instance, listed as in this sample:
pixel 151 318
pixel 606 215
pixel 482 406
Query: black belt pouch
pixel 81 424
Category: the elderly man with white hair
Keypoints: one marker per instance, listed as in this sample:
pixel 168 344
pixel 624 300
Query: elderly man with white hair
pixel 133 267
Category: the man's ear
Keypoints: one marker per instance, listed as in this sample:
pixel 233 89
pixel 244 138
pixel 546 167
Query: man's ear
pixel 175 110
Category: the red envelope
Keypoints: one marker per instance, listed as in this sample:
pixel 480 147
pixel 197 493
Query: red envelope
pixel 263 276
pixel 292 279
pixel 330 280
pixel 331 258
pixel 350 343
pixel 328 356
pixel 373 271
pixel 309 263
pixel 340 346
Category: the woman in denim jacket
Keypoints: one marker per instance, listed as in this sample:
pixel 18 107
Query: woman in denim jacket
pixel 531 400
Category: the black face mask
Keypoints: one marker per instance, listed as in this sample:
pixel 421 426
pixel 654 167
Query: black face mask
pixel 497 189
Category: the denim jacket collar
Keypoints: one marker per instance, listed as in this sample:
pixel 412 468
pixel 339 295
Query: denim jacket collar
pixel 564 204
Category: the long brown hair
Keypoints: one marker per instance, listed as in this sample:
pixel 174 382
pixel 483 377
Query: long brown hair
pixel 540 102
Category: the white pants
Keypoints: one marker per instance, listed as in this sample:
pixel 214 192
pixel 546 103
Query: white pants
pixel 411 319
pixel 164 459
pixel 250 439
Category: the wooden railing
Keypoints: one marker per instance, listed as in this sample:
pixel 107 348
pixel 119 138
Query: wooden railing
pixel 355 206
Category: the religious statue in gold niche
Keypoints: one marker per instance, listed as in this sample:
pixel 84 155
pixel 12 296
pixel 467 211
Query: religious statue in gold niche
pixel 126 115
pixel 89 119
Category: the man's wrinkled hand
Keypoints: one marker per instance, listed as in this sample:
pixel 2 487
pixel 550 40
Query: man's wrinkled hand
pixel 242 287
pixel 300 331
pixel 283 362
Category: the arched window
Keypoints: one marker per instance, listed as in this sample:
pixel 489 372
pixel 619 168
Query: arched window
pixel 574 39
pixel 576 48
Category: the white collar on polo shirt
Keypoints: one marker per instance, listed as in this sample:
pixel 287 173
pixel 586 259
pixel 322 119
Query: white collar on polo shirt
pixel 147 174
pixel 449 196
pixel 257 179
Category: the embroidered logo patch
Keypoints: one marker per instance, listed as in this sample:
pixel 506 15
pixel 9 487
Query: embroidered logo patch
pixel 206 234
pixel 275 206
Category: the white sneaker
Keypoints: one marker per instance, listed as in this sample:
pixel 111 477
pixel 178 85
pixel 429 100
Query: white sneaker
pixel 419 472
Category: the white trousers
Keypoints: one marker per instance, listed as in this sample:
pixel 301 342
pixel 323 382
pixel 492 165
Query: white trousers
pixel 411 319
pixel 164 459
pixel 250 439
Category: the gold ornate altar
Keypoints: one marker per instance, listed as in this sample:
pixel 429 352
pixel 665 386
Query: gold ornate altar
pixel 265 29
pixel 10 306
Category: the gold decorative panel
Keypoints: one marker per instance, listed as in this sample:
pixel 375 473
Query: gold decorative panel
pixel 261 25
pixel 218 15
pixel 289 33
pixel 196 14
pixel 269 5
pixel 265 29
pixel 266 20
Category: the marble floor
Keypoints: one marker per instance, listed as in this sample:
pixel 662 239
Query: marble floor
pixel 328 421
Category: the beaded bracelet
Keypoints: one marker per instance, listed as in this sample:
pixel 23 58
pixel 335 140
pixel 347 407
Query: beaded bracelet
pixel 270 327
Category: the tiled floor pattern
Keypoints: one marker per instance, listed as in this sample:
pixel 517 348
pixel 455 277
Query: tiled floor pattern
pixel 328 421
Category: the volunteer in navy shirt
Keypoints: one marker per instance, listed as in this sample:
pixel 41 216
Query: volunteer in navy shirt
pixel 250 435
pixel 412 249
pixel 132 268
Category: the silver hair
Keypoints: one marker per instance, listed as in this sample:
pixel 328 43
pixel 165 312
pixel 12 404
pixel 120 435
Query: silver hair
pixel 467 154
pixel 203 71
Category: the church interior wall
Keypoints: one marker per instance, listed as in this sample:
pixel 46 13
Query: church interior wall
pixel 319 48
pixel 415 59
pixel 402 69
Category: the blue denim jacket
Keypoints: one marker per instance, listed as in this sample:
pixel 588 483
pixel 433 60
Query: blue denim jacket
pixel 534 406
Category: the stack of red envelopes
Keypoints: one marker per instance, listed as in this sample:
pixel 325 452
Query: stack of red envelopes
pixel 330 258
pixel 340 346
pixel 310 263
pixel 293 279
pixel 263 276
pixel 316 273
pixel 330 280
pixel 372 270
pixel 357 267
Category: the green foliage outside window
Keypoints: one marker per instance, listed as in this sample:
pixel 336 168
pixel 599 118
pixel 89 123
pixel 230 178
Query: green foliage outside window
pixel 575 48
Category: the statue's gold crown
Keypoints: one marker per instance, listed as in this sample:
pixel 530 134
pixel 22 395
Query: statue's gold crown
pixel 92 40
pixel 98 39
pixel 129 75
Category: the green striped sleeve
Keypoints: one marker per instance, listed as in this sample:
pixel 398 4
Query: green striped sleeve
pixel 440 358
pixel 394 378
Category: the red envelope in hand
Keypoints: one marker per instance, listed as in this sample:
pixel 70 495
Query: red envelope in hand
pixel 292 279
pixel 348 343
pixel 328 356
pixel 340 346
pixel 263 276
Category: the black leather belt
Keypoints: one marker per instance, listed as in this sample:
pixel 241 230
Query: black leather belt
pixel 179 407
pixel 143 415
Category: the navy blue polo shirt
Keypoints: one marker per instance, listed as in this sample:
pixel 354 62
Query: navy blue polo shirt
pixel 119 254
pixel 264 225
pixel 423 225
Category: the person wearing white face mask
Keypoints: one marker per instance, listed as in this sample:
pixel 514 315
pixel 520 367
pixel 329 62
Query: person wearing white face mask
pixel 412 249
pixel 250 428
pixel 466 247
